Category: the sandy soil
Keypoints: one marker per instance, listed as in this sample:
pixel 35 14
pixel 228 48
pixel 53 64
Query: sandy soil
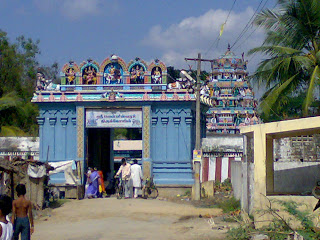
pixel 110 218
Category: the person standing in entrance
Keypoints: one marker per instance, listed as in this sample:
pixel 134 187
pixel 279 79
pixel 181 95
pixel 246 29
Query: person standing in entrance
pixel 94 182
pixel 125 170
pixel 136 176
pixel 22 215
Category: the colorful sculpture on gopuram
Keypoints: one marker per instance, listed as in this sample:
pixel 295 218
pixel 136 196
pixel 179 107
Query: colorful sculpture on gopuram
pixel 114 70
pixel 231 95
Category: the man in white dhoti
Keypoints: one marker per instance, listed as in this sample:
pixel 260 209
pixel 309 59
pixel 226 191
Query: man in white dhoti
pixel 136 177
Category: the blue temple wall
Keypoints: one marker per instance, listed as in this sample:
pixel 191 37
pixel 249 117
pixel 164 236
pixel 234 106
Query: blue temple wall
pixel 172 128
pixel 57 132
pixel 172 136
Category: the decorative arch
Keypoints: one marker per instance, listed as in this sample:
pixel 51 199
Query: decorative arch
pixel 109 60
pixel 113 70
pixel 157 63
pixel 158 71
pixel 70 64
pixel 137 70
pixel 89 72
pixel 70 73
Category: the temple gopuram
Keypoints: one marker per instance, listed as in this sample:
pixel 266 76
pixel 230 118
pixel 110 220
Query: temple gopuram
pixel 232 96
pixel 77 118
pixel 233 106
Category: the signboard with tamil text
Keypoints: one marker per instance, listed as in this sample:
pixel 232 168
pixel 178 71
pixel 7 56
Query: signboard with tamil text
pixel 113 118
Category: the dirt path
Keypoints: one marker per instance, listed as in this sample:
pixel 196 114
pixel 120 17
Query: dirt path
pixel 141 219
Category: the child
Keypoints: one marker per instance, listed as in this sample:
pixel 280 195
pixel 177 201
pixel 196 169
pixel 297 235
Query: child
pixel 22 214
pixel 6 229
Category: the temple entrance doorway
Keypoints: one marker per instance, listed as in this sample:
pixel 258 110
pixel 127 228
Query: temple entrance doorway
pixel 99 149
pixel 107 146
pixel 112 134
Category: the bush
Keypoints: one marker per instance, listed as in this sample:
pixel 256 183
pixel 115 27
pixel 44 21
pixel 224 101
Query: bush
pixel 229 205
pixel 279 228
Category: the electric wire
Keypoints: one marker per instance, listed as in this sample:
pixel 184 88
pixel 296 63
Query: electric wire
pixel 225 22
pixel 245 29
pixel 252 31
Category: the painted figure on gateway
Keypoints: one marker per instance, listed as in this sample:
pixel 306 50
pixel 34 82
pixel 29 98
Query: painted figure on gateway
pixel 89 75
pixel 156 75
pixel 41 81
pixel 137 75
pixel 70 76
pixel 113 74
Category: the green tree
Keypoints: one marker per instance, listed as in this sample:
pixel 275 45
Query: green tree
pixel 18 68
pixel 292 46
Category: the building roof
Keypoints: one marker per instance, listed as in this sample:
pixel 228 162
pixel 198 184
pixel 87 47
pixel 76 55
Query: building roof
pixel 19 144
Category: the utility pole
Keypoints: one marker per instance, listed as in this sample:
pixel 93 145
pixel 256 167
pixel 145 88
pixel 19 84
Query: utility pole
pixel 196 164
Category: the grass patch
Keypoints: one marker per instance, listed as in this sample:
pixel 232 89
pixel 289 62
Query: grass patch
pixel 57 203
pixel 279 226
pixel 229 205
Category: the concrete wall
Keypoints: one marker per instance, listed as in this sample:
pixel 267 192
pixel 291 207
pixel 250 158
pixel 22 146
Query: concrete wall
pixel 295 177
pixel 242 180
pixel 263 136
pixel 173 191
pixel 298 148
pixel 305 176
pixel 222 143
pixel 207 189
pixel 237 179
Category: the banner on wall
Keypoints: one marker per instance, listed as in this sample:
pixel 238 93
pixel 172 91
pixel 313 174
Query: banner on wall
pixel 113 118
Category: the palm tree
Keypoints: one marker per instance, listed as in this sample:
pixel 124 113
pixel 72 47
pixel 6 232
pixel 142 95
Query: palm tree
pixel 292 46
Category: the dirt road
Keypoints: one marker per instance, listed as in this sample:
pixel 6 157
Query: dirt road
pixel 109 218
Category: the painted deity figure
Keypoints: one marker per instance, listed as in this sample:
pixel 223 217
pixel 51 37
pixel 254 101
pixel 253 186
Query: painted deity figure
pixel 157 76
pixel 90 76
pixel 236 91
pixel 247 119
pixel 242 92
pixel 217 92
pixel 213 120
pixel 237 120
pixel 41 82
pixel 133 76
pixel 113 75
pixel 140 75
pixel 137 75
pixel 70 76
pixel 248 92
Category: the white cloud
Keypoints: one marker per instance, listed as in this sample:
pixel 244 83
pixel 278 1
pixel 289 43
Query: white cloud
pixel 197 34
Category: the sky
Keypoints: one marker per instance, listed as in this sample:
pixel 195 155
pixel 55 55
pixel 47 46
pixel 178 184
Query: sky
pixel 169 30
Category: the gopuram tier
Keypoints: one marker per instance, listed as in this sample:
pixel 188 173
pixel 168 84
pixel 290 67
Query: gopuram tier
pixel 232 98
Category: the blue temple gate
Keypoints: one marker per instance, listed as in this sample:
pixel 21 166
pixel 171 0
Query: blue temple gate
pixel 79 116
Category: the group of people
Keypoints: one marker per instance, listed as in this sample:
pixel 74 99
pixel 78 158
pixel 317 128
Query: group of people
pixel 21 222
pixel 131 176
pixel 95 184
